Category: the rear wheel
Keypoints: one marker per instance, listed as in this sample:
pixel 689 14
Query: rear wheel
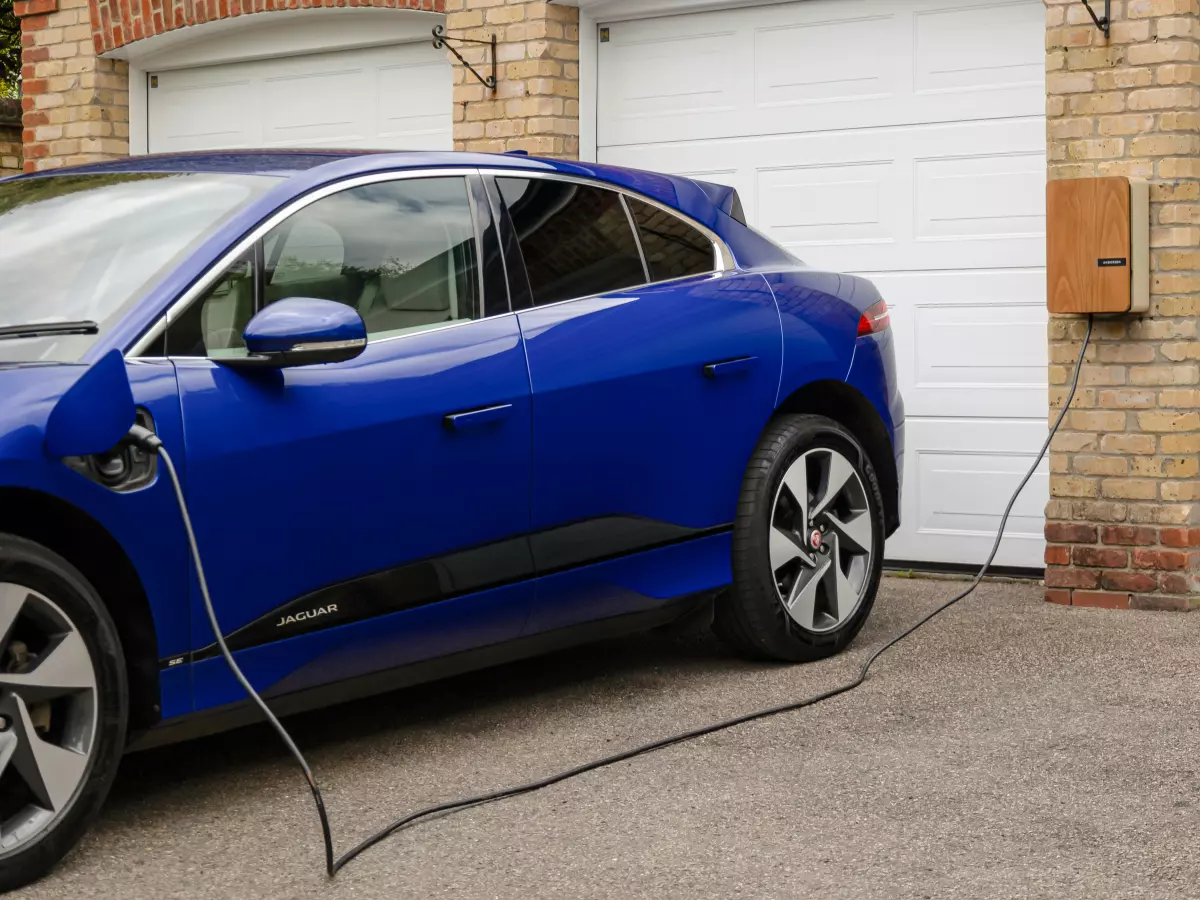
pixel 807 544
pixel 63 708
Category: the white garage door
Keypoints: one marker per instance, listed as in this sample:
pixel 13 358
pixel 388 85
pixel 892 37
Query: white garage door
pixel 388 98
pixel 899 139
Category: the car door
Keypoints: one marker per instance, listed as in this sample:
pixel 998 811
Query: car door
pixel 361 515
pixel 652 376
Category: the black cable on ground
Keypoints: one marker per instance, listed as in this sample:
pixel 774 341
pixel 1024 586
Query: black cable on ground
pixel 333 865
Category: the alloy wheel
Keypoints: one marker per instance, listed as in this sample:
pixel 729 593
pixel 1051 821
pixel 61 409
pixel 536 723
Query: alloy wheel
pixel 821 542
pixel 48 713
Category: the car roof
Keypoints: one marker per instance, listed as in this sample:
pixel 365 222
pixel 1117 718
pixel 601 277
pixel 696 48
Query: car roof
pixel 700 200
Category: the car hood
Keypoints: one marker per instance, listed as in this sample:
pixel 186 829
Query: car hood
pixel 28 392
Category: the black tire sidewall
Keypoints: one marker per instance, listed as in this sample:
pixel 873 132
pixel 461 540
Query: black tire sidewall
pixel 31 565
pixel 756 605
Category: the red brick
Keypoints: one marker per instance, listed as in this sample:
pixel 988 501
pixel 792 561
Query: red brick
pixel 1181 537
pixel 1061 597
pixel 1072 578
pixel 23 8
pixel 1101 599
pixel 1173 583
pixel 1069 533
pixel 1166 560
pixel 1160 603
pixel 1100 557
pixel 1058 556
pixel 1139 582
pixel 36 55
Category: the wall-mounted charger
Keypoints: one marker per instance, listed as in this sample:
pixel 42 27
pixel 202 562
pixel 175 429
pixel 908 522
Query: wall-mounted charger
pixel 1098 245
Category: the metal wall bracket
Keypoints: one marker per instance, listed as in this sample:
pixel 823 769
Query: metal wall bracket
pixel 440 41
pixel 1104 23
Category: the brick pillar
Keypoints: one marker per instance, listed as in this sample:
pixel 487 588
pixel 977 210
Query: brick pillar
pixel 10 137
pixel 1123 515
pixel 76 105
pixel 536 104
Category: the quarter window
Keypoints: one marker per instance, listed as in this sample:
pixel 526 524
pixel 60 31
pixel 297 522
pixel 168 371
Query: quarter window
pixel 402 253
pixel 576 239
pixel 673 248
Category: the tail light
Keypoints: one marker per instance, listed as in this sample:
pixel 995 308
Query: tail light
pixel 875 319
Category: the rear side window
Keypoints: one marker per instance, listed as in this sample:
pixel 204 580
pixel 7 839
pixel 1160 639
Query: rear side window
pixel 673 248
pixel 576 239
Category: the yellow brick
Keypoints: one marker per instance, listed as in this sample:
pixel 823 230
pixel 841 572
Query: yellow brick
pixel 1108 125
pixel 1129 489
pixel 1126 399
pixel 1135 444
pixel 1165 98
pixel 1123 79
pixel 1165 421
pixel 1100 148
pixel 1094 104
pixel 1094 420
pixel 1153 52
pixel 1073 486
pixel 1070 82
pixel 1100 465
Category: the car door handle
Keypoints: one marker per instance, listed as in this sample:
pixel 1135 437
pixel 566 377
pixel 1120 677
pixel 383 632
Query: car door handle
pixel 474 417
pixel 729 366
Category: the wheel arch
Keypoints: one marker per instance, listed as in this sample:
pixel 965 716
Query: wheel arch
pixel 848 407
pixel 87 545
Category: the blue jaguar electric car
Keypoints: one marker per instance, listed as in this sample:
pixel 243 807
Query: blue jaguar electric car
pixel 431 411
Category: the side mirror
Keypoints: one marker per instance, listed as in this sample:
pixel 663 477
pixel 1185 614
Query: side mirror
pixel 301 331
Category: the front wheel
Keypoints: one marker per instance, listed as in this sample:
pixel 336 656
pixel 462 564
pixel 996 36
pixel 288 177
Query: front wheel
pixel 63 708
pixel 807 544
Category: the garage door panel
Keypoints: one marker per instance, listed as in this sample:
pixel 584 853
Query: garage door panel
pixel 806 205
pixel 1008 58
pixel 205 116
pixel 844 59
pixel 959 475
pixel 820 65
pixel 314 108
pixel 690 77
pixel 970 343
pixel 981 196
pixel 390 98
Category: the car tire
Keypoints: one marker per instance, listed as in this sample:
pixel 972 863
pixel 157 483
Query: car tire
pixel 804 581
pixel 63 683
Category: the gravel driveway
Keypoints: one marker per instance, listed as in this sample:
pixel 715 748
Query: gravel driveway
pixel 1010 749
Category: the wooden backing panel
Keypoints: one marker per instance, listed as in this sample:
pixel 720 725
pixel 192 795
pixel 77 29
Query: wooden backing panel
pixel 1087 219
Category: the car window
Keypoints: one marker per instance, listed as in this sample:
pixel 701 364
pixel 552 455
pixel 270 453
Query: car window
pixel 402 253
pixel 311 248
pixel 576 239
pixel 93 247
pixel 673 248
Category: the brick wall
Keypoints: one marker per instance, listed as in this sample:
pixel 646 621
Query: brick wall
pixel 10 137
pixel 536 104
pixel 76 105
pixel 1122 522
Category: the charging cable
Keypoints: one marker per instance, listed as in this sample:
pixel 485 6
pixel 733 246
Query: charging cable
pixel 333 865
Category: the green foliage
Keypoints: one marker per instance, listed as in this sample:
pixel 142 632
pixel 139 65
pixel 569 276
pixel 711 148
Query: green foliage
pixel 10 50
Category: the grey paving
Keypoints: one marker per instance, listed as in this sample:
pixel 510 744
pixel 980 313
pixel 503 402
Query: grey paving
pixel 1012 749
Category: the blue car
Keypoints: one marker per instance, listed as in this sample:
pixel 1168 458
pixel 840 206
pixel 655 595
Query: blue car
pixel 431 412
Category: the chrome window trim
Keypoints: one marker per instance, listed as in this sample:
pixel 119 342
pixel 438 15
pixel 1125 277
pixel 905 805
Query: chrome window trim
pixel 723 260
pixel 205 281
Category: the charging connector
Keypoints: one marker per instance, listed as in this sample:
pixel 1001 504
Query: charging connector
pixel 146 439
